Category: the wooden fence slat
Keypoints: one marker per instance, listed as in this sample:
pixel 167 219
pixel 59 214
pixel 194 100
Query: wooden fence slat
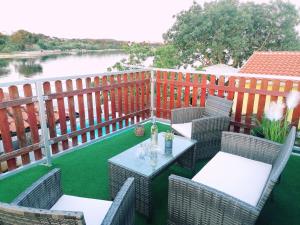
pixel 158 94
pixel 148 90
pixel 231 85
pixel 275 87
pixel 172 91
pixel 137 96
pixel 287 88
pixel 113 102
pixel 105 103
pixel 187 90
pixel 296 112
pixel 50 117
pixel 143 86
pixel 61 113
pixel 250 105
pixel 221 83
pixel 179 89
pixel 125 96
pixel 165 95
pixel 262 100
pixel 6 135
pixel 81 109
pixel 72 114
pixel 120 95
pixel 19 123
pixel 132 97
pixel 203 90
pixel 32 120
pixel 98 105
pixel 195 90
pixel 239 104
pixel 212 84
pixel 90 104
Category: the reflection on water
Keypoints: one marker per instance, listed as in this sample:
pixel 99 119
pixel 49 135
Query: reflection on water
pixel 29 67
pixel 57 65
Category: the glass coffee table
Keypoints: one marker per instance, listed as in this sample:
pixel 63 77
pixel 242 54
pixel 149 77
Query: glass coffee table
pixel 145 169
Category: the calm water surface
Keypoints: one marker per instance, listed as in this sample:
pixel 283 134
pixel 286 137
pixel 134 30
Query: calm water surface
pixel 57 65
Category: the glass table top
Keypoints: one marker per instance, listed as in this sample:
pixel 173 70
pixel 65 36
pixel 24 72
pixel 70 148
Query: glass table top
pixel 148 160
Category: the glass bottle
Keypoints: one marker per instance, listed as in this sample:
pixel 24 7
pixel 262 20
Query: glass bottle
pixel 154 132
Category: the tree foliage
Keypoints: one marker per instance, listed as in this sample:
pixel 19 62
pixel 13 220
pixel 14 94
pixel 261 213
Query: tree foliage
pixel 227 31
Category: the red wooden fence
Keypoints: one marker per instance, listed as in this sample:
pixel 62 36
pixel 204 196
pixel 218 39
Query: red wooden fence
pixel 251 95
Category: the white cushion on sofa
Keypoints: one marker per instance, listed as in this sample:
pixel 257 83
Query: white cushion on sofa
pixel 184 129
pixel 236 176
pixel 94 210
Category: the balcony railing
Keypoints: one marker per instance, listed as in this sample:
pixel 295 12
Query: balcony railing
pixel 42 118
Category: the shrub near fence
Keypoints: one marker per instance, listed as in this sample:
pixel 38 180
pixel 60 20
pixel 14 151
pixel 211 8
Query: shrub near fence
pixel 110 101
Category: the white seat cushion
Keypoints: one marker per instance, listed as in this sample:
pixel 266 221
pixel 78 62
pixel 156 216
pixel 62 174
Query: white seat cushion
pixel 236 176
pixel 184 129
pixel 94 210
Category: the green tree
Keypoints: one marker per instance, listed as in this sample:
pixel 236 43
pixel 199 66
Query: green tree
pixel 166 57
pixel 226 30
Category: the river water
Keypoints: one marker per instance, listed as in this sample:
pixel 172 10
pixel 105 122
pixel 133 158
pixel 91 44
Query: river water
pixel 57 65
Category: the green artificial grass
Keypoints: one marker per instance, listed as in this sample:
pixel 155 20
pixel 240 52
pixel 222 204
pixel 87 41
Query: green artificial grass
pixel 85 174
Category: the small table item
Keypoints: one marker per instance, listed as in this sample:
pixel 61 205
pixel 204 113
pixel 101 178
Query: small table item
pixel 128 164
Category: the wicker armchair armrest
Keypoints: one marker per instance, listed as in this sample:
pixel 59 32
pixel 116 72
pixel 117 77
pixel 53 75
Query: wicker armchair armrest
pixel 209 127
pixel 122 210
pixel 250 147
pixel 185 115
pixel 42 194
pixel 191 203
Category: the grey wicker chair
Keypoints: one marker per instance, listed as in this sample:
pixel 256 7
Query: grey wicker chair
pixel 33 206
pixel 193 203
pixel 203 124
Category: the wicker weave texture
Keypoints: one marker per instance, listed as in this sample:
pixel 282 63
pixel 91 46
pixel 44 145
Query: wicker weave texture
pixel 32 206
pixel 192 203
pixel 207 124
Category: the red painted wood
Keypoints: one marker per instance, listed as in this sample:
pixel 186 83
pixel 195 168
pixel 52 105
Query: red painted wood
pixel 105 103
pixel 187 90
pixel 81 109
pixel 120 95
pixel 165 95
pixel 90 106
pixel 231 86
pixel 239 105
pixel 113 102
pixel 195 90
pixel 61 113
pixel 203 90
pixel 262 100
pixel 125 96
pixel 212 84
pixel 158 94
pixel 50 116
pixel 72 115
pixel 179 90
pixel 19 123
pixel 250 105
pixel 148 90
pixel 132 97
pixel 143 86
pixel 172 91
pixel 6 135
pixel 275 87
pixel 296 112
pixel 98 105
pixel 137 96
pixel 32 120
pixel 221 83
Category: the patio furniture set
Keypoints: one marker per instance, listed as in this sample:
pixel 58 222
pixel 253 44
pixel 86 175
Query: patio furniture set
pixel 231 188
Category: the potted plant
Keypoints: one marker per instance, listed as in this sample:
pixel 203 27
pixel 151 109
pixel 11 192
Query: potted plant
pixel 275 123
pixel 169 136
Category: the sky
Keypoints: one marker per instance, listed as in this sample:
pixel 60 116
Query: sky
pixel 131 20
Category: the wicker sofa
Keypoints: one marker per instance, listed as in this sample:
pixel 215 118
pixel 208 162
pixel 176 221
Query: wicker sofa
pixel 44 203
pixel 204 124
pixel 233 187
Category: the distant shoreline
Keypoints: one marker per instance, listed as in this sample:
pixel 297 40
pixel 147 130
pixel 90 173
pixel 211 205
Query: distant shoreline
pixel 33 54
